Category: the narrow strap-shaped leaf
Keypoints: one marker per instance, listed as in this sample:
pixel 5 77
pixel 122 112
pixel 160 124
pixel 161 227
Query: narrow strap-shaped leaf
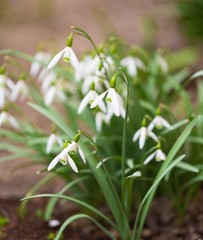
pixel 79 216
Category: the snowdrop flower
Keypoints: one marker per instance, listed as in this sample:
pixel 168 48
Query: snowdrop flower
pixel 159 122
pixel 68 56
pixel 158 154
pixel 49 78
pixel 64 156
pixel 163 63
pixel 39 58
pixel 53 138
pixel 132 64
pixel 112 97
pixel 52 92
pixel 20 89
pixel 143 133
pixel 5 118
pixel 6 85
pixel 89 99
pixel 99 119
pixel 88 67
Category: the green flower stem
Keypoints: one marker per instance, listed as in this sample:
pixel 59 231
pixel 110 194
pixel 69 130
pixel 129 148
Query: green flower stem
pixel 86 35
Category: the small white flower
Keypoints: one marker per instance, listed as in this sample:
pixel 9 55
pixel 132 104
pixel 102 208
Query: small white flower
pixel 99 119
pixel 89 99
pixel 159 122
pixel 68 56
pixel 159 155
pixel 163 63
pixel 52 92
pixel 88 67
pixel 132 64
pixel 6 85
pixel 53 138
pixel 5 118
pixel 142 134
pixel 64 156
pixel 19 89
pixel 39 58
pixel 113 98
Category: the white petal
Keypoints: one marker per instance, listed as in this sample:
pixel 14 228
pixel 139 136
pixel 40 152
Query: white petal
pixel 84 102
pixel 116 104
pixel 152 135
pixel 151 126
pixel 149 158
pixel 58 157
pixel 98 121
pixel 49 96
pixel 143 133
pixel 165 123
pixel 72 164
pixel 59 141
pixel 98 99
pixel 50 142
pixel 82 154
pixel 56 58
pixel 160 156
pixel 136 135
pixel 13 122
pixel 74 61
pixel 2 97
pixel 3 117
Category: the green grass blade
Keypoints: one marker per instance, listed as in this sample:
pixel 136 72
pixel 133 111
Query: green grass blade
pixel 79 216
pixel 79 202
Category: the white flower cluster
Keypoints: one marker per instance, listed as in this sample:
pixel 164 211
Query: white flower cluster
pixel 10 92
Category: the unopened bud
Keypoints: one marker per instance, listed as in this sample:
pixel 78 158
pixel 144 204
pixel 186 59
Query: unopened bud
pixel 113 81
pixel 69 41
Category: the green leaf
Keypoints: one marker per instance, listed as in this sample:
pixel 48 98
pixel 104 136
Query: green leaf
pixel 187 167
pixel 79 216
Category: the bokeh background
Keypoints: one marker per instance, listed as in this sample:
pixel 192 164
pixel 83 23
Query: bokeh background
pixel 26 23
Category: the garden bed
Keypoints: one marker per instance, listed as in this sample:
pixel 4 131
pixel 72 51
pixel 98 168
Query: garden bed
pixel 162 223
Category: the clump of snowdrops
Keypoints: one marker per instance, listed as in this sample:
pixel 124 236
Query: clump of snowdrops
pixel 128 129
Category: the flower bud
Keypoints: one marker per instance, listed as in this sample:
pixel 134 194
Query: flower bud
pixel 113 81
pixel 2 69
pixel 69 41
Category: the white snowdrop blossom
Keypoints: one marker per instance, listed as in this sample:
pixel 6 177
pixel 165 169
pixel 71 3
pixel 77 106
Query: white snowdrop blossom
pixel 68 55
pixel 142 134
pixel 114 100
pixel 48 80
pixel 6 118
pixel 132 64
pixel 159 122
pixel 163 64
pixel 39 59
pixel 88 67
pixel 89 99
pixel 64 156
pixel 159 155
pixel 53 138
pixel 53 92
pixel 6 86
pixel 99 119
pixel 20 90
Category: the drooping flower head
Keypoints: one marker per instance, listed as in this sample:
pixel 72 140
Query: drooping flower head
pixel 112 97
pixel 70 148
pixel 67 54
pixel 158 154
pixel 143 133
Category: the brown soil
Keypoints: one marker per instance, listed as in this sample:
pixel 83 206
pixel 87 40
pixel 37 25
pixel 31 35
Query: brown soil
pixel 162 223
